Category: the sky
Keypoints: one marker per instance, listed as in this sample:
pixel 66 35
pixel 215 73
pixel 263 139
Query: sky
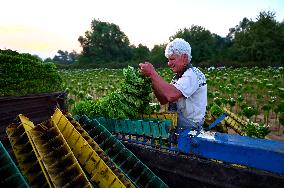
pixel 42 27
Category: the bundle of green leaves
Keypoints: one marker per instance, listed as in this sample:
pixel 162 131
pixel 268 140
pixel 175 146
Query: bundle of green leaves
pixel 256 130
pixel 216 110
pixel 130 100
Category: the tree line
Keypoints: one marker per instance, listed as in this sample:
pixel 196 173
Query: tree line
pixel 250 43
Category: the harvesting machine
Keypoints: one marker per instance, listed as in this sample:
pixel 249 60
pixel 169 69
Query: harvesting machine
pixel 45 145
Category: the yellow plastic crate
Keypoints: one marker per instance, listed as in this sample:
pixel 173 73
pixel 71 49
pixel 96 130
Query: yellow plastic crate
pixel 56 158
pixel 86 155
pixel 164 115
pixel 26 157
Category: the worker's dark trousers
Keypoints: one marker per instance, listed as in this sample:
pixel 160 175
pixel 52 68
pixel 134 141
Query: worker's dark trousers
pixel 184 123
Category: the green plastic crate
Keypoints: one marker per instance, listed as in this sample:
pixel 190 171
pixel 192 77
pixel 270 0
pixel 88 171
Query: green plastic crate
pixel 121 156
pixel 9 173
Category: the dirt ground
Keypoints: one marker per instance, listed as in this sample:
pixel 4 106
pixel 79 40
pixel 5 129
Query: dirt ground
pixel 275 133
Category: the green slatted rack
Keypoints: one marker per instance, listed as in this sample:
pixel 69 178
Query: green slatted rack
pixel 149 131
pixel 9 173
pixel 151 127
pixel 118 172
pixel 121 156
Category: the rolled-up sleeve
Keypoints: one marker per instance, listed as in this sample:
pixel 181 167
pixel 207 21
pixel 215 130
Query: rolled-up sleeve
pixel 187 84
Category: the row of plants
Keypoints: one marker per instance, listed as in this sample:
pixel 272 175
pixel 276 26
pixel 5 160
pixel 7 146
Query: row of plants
pixel 247 128
pixel 255 94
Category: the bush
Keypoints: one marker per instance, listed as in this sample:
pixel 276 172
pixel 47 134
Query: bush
pixel 22 74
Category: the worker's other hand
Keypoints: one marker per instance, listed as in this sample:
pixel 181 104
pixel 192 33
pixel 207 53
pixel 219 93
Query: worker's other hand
pixel 147 69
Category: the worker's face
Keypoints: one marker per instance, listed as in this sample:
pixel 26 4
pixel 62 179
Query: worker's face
pixel 177 63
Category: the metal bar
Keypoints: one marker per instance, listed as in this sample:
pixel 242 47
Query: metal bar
pixel 180 171
pixel 218 120
pixel 256 153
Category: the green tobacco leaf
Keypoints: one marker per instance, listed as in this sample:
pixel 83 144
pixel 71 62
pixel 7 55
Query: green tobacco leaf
pixel 130 100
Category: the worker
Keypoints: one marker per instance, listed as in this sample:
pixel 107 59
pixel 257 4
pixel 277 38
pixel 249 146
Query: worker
pixel 187 92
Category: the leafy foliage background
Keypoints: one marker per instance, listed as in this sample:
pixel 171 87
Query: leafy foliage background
pixel 22 74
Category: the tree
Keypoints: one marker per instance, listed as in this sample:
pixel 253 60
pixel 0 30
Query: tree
pixel 48 60
pixel 157 55
pixel 220 47
pixel 37 57
pixel 64 57
pixel 281 41
pixel 105 43
pixel 257 41
pixel 141 53
pixel 242 27
pixel 265 35
pixel 241 39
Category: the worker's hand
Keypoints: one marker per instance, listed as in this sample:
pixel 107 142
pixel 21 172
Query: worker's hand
pixel 147 69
